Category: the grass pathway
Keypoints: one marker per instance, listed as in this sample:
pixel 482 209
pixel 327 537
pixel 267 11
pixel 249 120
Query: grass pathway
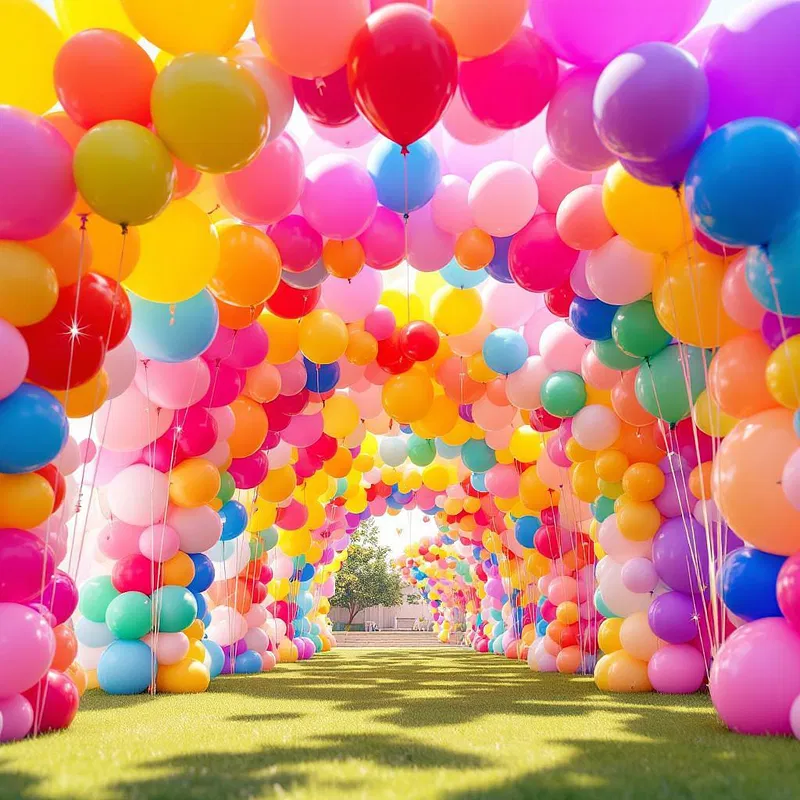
pixel 443 724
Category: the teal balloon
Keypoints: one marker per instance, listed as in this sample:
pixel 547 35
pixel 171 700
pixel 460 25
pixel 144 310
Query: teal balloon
pixel 637 331
pixel 661 383
pixel 563 394
pixel 95 597
pixel 461 278
pixel 256 549
pixel 227 487
pixel 609 355
pixel 447 450
pixel 602 508
pixel 176 608
pixel 269 537
pixel 601 606
pixel 477 455
pixel 341 486
pixel 421 451
pixel 129 615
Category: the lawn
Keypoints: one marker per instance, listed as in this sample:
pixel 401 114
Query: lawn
pixel 427 723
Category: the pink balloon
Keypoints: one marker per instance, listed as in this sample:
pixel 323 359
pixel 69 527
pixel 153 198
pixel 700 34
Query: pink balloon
pixel 27 646
pixel 556 180
pixel 277 86
pixel 500 439
pixel 790 481
pixel 293 377
pixel 173 385
pixel 159 542
pixel 596 373
pixel 535 326
pixel 561 348
pixel 537 259
pixel 464 126
pixel 429 247
pixel 581 222
pixel 118 539
pixel 596 427
pixel 132 421
pixel 198 529
pixel 380 323
pixel 491 417
pixel 293 516
pixel 639 575
pixel 169 648
pixel 677 669
pixel 280 166
pixel 618 273
pixel 36 176
pixel 353 299
pixel 524 385
pixel 503 198
pixel 299 245
pixel 226 421
pixel 247 473
pixel 15 358
pixel 505 305
pixel 503 480
pixel 384 240
pixel 617 547
pixel 577 278
pixel 556 454
pixel 450 205
pixel 330 179
pixel 105 464
pixel 303 430
pixel 349 374
pixel 466 160
pixel 70 458
pixel 738 300
pixel 17 715
pixel 120 366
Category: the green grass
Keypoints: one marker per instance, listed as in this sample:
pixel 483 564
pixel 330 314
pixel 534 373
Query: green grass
pixel 444 724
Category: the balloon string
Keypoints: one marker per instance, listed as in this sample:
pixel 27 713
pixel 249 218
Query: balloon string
pixel 404 152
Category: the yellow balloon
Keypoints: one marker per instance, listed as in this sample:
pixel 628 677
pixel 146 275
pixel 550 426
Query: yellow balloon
pixel 363 463
pixel 278 588
pixel 610 465
pixel 124 172
pixel 612 490
pixel 711 419
pixel 82 401
pixel 478 370
pixel 458 434
pixel 426 284
pixel 80 15
pixel 340 416
pixel 29 43
pixel 194 483
pixel 278 485
pixel 28 285
pixel 782 374
pixel 179 255
pixel 435 477
pixel 294 543
pixel 576 453
pixel 526 444
pixel 584 481
pixel 408 397
pixel 399 303
pixel 283 337
pixel 608 635
pixel 26 500
pixel 189 26
pixel 210 112
pixel 262 517
pixel 322 336
pixel 456 311
pixel 651 218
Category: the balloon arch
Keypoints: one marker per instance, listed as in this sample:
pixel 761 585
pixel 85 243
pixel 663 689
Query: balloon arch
pixel 528 269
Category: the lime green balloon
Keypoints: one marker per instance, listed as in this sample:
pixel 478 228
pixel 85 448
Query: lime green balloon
pixel 612 357
pixel 95 597
pixel 269 537
pixel 421 451
pixel 176 608
pixel 637 331
pixel 661 383
pixel 563 394
pixel 130 615
pixel 226 487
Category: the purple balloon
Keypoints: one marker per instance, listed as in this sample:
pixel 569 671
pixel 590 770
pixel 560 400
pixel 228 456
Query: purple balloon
pixel 752 63
pixel 650 102
pixel 680 555
pixel 672 617
pixel 771 329
pixel 672 497
pixel 668 171
pixel 60 596
pixel 465 412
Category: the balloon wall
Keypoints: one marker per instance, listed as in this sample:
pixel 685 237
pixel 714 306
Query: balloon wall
pixel 526 269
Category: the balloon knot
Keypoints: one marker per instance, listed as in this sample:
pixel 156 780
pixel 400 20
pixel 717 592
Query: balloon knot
pixel 124 227
pixel 404 151
pixel 406 216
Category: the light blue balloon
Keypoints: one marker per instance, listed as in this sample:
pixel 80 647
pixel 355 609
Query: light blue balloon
pixel 248 663
pixel 388 170
pixel 772 274
pixel 743 183
pixel 497 646
pixel 505 351
pixel 174 332
pixel 223 550
pixel 461 278
pixel 93 634
pixel 126 667
pixel 217 657
pixel 478 481
pixel 448 450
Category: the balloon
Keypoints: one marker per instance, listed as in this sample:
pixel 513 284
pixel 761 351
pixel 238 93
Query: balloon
pixel 510 87
pixel 595 427
pixel 581 222
pixel 210 112
pixel 459 122
pixel 503 198
pixel 481 29
pixel 591 319
pixel 747 583
pixel 322 337
pixel 383 240
pixel 126 667
pixel 276 85
pixel 538 260
pixel 563 394
pixel 35 171
pixel 523 387
pixel 249 265
pixel 402 71
pixel 343 259
pixel 327 100
pixel 407 397
pixel 455 311
pixel 637 331
pixel 429 248
pixel 505 351
pixel 419 341
pixel 788 591
pixel 28 636
pixel 734 200
pixel 404 182
pixel 28 285
pixel 17 718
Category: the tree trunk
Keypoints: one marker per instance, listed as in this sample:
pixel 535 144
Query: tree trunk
pixel 353 613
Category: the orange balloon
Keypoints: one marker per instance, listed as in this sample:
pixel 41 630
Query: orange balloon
pixel 568 661
pixel 77 674
pixel 624 673
pixel 641 444
pixel 186 179
pixel 232 592
pixel 474 249
pixel 458 386
pixel 66 647
pixel 178 570
pixel 68 250
pixel 746 482
pixel 736 378
pixel 249 269
pixel 69 129
pixel 113 254
pixel 339 464
pixel 238 317
pixel 362 348
pixel 250 429
pixel 700 481
pixel 263 382
pixel 625 404
pixel 343 259
pixel 194 482
pixel 643 481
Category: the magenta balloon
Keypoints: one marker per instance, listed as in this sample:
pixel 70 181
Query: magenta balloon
pixel 27 647
pixel 650 102
pixel 293 516
pixel 299 245
pixel 462 124
pixel 326 100
pixel 537 259
pixel 25 564
pixel 35 173
pixel 339 199
pixel 384 240
pixel 278 166
pixel 248 472
pixel 380 323
pixel 226 386
pixel 586 32
pixel 303 430
pixel 199 431
pixel 677 669
pixel 511 87
pixel 293 377
pixel 752 62
pixel 250 348
pixel 60 596
pixel 163 454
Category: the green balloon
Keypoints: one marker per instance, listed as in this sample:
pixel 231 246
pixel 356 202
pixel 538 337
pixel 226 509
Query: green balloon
pixel 421 451
pixel 226 487
pixel 256 549
pixel 661 384
pixel 612 357
pixel 95 597
pixel 269 536
pixel 637 331
pixel 176 606
pixel 602 508
pixel 129 615
pixel 563 394
pixel 341 486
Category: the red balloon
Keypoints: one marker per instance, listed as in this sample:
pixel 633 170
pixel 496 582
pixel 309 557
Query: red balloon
pixel 55 702
pixel 291 303
pixel 403 72
pixel 326 100
pixel 136 573
pixel 103 307
pixel 56 480
pixel 537 258
pixel 419 340
pixel 325 447
pixel 391 357
pixel 259 592
pixel 558 300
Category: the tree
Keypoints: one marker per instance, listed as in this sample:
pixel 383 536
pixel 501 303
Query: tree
pixel 366 579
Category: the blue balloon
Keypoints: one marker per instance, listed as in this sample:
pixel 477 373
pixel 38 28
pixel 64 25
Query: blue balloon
pixel 747 583
pixel 541 627
pixel 307 573
pixel 302 627
pixel 591 318
pixel 203 573
pixel 173 332
pixel 772 275
pixel 126 667
pixel 524 530
pixel 404 183
pixel 248 663
pixel 478 481
pixel 462 278
pixel 743 183
pixel 477 455
pixel 505 350
pixel 796 423
pixel 406 429
pixel 234 520
pixel 33 429
pixel 498 266
pixel 93 634
pixel 321 377
pixel 202 605
pixel 447 450
pixel 217 657
pixel 206 620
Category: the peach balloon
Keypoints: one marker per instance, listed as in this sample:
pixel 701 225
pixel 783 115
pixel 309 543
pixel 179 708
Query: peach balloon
pixel 581 221
pixel 482 28
pixel 523 386
pixel 450 205
pixel 597 374
pixel 625 404
pixel 618 273
pixel 737 299
pixel 555 179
